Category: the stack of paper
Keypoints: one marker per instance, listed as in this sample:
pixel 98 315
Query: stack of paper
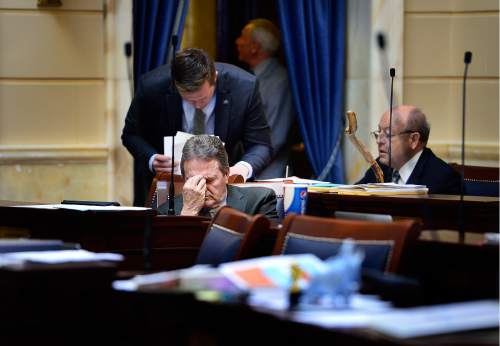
pixel 81 207
pixel 371 189
pixel 293 180
pixel 28 259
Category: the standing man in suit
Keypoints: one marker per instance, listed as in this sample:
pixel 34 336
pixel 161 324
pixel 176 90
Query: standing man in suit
pixel 205 168
pixel 197 96
pixel 411 160
pixel 257 46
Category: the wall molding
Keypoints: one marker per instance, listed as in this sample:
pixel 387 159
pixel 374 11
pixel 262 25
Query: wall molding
pixel 15 154
pixel 483 153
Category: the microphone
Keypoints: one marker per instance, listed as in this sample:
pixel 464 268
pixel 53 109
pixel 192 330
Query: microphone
pixel 127 50
pixel 467 61
pixel 171 188
pixel 392 73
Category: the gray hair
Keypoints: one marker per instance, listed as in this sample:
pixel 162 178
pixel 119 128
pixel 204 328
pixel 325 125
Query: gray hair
pixel 418 122
pixel 266 34
pixel 206 148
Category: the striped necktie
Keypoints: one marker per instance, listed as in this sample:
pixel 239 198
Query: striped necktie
pixel 395 176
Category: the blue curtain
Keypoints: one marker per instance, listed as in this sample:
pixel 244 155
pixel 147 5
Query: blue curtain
pixel 314 43
pixel 153 22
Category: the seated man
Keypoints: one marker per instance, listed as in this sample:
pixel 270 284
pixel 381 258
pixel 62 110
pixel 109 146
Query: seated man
pixel 205 168
pixel 412 161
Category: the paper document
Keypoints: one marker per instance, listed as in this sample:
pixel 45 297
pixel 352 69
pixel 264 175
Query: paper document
pixel 180 139
pixel 271 271
pixel 438 319
pixel 81 207
pixel 371 189
pixel 22 259
pixel 294 179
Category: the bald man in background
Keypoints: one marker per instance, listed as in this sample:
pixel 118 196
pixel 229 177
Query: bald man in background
pixel 411 160
pixel 257 46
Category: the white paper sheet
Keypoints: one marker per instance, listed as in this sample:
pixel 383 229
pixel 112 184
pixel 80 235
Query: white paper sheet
pixel 19 259
pixel 81 207
pixel 438 319
pixel 180 139
pixel 296 180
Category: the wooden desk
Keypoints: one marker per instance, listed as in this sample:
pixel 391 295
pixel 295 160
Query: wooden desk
pixel 193 322
pixel 435 211
pixel 57 306
pixel 174 241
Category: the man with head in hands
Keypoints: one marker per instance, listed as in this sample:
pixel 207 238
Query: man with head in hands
pixel 205 168
pixel 412 162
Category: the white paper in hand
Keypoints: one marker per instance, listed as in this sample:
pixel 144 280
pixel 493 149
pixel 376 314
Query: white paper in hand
pixel 180 140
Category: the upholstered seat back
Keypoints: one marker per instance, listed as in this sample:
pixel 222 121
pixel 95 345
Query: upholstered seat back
pixel 383 243
pixel 481 188
pixel 232 236
pixel 378 253
pixel 220 245
pixel 478 180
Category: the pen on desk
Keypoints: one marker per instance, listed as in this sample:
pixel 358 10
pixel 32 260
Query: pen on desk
pixel 286 172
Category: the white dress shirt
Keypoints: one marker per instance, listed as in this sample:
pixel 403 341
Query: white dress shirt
pixel 407 169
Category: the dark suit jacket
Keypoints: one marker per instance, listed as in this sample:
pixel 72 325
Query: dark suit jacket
pixel 156 111
pixel 250 200
pixel 430 170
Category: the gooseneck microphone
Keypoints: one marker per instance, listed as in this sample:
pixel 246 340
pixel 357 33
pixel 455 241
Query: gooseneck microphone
pixel 467 61
pixel 392 73
pixel 171 188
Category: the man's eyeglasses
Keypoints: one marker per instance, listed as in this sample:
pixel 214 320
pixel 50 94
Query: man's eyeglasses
pixel 385 134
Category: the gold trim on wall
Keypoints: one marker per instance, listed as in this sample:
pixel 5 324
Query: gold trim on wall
pixel 480 153
pixel 12 154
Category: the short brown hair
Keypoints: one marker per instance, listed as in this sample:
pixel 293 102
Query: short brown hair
pixel 191 68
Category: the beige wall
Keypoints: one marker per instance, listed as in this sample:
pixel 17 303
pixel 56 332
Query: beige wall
pixel 53 121
pixel 436 35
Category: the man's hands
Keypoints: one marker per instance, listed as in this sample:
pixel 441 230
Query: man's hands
pixel 163 163
pixel 239 169
pixel 193 195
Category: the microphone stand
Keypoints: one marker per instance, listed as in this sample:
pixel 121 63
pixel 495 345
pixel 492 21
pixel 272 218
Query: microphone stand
pixel 171 188
pixel 392 73
pixel 148 230
pixel 467 61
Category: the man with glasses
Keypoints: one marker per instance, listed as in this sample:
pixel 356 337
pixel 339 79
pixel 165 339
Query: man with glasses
pixel 411 161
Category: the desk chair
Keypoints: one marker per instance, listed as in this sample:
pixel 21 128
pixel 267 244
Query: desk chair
pixel 152 199
pixel 384 244
pixel 479 181
pixel 231 236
